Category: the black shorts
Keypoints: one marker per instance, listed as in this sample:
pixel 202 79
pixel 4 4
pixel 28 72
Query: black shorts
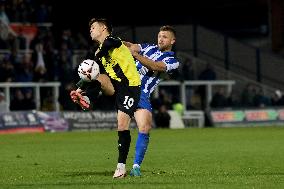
pixel 126 97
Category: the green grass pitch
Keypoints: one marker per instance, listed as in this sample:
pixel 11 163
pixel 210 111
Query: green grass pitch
pixel 184 158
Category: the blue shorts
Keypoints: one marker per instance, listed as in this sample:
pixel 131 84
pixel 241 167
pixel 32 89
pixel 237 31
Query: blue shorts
pixel 144 102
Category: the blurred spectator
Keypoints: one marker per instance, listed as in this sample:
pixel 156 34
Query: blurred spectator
pixel 22 40
pixel 14 57
pixel 195 102
pixel 5 23
pixel 67 39
pixel 7 35
pixel 260 100
pixel 178 107
pixel 219 99
pixel 39 74
pixel 45 40
pixel 28 102
pixel 47 101
pixel 39 51
pixel 187 71
pixel 3 103
pixel 248 95
pixel 233 100
pixel 43 13
pixel 65 64
pixel 24 72
pixel 23 12
pixel 165 98
pixel 29 11
pixel 7 71
pixel 208 73
pixel 3 16
pixel 277 98
pixel 40 69
pixel 162 117
pixel 17 103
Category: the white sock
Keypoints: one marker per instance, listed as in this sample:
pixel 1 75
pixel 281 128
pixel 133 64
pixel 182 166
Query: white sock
pixel 121 165
pixel 136 165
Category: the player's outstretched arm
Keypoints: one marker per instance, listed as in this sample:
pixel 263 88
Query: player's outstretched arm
pixel 150 64
pixel 132 47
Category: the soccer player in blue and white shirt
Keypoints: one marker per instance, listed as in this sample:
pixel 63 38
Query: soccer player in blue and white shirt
pixel 152 62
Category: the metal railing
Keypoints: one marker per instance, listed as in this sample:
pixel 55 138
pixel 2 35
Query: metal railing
pixel 208 84
pixel 36 87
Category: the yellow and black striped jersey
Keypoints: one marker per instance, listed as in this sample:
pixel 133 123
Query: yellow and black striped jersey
pixel 118 61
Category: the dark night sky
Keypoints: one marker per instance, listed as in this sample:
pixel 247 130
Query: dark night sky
pixel 215 14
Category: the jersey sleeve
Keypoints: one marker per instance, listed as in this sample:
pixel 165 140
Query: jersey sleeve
pixel 171 64
pixel 143 47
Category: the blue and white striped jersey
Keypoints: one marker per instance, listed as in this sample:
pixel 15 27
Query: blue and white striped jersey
pixel 150 79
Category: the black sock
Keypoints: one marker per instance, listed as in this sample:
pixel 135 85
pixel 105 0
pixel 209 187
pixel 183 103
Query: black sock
pixel 124 140
pixel 93 90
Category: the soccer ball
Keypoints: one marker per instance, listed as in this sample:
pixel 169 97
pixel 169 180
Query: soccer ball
pixel 88 70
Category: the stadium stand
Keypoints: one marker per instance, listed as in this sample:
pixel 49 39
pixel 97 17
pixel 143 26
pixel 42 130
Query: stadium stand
pixel 32 50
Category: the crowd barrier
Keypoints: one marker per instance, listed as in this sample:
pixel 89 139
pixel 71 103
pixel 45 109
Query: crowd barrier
pixel 37 121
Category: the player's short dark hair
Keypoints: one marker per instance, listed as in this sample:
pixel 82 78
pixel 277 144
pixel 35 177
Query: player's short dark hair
pixel 168 28
pixel 103 21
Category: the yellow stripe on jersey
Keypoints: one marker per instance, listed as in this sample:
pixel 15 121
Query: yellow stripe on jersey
pixel 120 66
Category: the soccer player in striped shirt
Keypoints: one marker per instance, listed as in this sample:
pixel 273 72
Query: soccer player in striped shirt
pixel 152 62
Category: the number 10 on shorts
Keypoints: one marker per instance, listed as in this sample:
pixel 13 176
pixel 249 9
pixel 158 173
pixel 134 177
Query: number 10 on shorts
pixel 128 102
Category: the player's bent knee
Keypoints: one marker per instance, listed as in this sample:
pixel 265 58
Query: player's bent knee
pixel 145 129
pixel 106 85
